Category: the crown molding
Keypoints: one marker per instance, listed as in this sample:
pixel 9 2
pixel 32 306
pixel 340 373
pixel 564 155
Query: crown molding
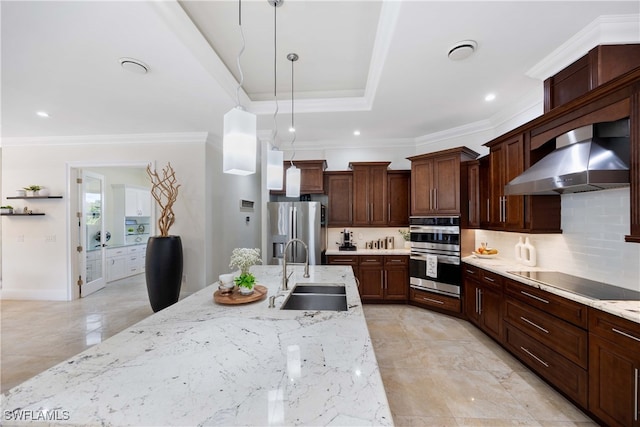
pixel 606 29
pixel 464 130
pixel 150 138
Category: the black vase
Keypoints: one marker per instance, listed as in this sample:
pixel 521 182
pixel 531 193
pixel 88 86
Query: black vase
pixel 163 271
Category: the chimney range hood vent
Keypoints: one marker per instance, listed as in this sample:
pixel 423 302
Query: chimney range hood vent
pixel 590 158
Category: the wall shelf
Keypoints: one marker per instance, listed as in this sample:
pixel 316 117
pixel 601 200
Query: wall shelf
pixel 35 197
pixel 19 214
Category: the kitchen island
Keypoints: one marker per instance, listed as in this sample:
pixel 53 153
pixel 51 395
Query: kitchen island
pixel 201 363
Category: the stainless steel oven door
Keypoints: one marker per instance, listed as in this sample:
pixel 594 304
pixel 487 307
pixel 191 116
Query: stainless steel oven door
pixel 448 273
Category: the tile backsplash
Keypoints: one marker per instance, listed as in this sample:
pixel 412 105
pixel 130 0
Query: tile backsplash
pixel 592 243
pixel 361 235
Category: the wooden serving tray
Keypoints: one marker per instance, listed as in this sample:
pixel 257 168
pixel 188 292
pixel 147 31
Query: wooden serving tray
pixel 235 298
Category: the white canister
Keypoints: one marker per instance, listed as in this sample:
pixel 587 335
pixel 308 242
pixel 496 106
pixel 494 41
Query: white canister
pixel 529 256
pixel 519 248
pixel 44 192
pixel 21 193
pixel 226 280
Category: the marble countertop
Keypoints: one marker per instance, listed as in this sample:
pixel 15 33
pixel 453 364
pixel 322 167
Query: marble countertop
pixel 201 363
pixel 398 251
pixel 629 310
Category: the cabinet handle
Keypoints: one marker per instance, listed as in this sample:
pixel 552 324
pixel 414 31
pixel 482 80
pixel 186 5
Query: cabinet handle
pixel 431 300
pixel 389 211
pixel 435 197
pixel 489 279
pixel 635 400
pixel 534 356
pixel 535 325
pixel 479 302
pixel 537 298
pixel 469 210
pixel 625 334
pixel 470 271
pixel 386 280
pixel 381 279
pixel 488 211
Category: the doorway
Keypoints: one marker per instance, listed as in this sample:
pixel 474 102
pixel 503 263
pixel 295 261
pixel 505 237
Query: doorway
pixel 94 232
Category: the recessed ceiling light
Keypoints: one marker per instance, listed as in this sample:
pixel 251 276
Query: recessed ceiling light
pixel 461 50
pixel 490 97
pixel 42 114
pixel 356 132
pixel 134 65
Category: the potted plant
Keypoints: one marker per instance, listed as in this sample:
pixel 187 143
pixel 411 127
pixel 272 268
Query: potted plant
pixel 8 209
pixel 406 235
pixel 163 263
pixel 244 258
pixel 32 190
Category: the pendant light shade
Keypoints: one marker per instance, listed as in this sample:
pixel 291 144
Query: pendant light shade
pixel 293 181
pixel 275 169
pixel 239 143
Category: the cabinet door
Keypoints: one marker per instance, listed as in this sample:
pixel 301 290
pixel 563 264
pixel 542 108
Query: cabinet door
pixel 378 195
pixel 131 202
pixel 398 185
pixel 116 268
pixel 491 312
pixel 471 301
pixel 340 199
pixel 421 187
pixel 446 188
pixel 144 202
pixel 514 166
pixel 396 277
pixel 472 201
pixel 371 276
pixel 360 196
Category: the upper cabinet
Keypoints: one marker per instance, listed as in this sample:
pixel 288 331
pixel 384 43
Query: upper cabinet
pixel 132 201
pixel 435 182
pixel 349 196
pixel 339 189
pixel 602 64
pixel 370 193
pixel 311 176
pixel 398 198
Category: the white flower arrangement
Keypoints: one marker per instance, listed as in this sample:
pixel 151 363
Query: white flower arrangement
pixel 244 258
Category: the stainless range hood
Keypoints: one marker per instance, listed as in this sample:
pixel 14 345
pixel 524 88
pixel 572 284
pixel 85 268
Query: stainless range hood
pixel 593 157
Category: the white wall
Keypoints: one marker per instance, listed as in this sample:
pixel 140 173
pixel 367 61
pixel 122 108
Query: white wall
pixel 207 206
pixel 592 244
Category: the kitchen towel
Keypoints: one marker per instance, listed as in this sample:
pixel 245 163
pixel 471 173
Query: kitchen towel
pixel 432 266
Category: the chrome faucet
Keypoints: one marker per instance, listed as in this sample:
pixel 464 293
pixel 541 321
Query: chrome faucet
pixel 285 278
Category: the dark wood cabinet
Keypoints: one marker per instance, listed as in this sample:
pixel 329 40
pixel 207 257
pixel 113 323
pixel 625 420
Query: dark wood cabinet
pixel 311 176
pixel 548 333
pixel 434 301
pixel 614 369
pixel 371 269
pixel 369 193
pixel 435 181
pixel 339 189
pixel 600 65
pixel 506 163
pixel 398 198
pixel 483 300
pixel 471 210
pixel 396 279
pixel 381 278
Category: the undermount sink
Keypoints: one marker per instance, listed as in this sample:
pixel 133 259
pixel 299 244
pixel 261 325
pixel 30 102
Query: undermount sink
pixel 310 296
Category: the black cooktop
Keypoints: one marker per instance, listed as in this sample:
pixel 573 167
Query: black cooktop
pixel 579 285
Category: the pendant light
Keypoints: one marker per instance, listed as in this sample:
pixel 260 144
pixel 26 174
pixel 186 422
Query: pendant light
pixel 275 157
pixel 239 143
pixel 293 173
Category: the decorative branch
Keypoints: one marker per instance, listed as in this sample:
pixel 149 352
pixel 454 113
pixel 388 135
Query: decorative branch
pixel 165 191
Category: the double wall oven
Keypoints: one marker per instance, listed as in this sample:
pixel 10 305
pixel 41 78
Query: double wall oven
pixel 435 264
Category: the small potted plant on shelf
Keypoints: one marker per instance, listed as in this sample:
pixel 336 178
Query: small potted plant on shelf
pixel 32 190
pixel 244 258
pixel 8 209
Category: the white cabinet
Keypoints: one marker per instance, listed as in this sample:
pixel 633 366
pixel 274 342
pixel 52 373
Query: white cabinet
pixel 125 261
pixel 137 201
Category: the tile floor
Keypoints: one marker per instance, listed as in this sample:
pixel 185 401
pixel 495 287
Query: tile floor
pixel 442 371
pixel 437 370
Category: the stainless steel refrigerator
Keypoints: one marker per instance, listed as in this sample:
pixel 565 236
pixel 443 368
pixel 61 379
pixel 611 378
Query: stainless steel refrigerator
pixel 295 220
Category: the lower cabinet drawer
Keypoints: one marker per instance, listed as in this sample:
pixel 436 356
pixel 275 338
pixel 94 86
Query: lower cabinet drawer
pixel 565 375
pixel 434 300
pixel 565 338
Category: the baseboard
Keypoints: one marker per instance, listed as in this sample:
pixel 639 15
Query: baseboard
pixel 33 294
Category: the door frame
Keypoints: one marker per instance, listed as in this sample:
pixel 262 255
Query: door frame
pixel 72 168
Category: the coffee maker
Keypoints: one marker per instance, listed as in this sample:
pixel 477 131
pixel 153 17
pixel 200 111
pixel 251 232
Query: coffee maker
pixel 347 239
